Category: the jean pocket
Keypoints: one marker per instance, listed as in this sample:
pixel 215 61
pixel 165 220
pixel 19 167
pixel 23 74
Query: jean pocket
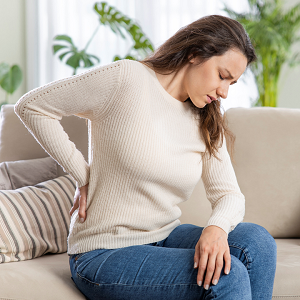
pixel 79 255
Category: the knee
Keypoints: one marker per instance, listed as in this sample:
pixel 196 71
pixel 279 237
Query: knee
pixel 238 275
pixel 260 239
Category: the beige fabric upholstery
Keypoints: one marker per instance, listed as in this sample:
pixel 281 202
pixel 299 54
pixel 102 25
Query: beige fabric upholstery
pixel 44 278
pixel 15 136
pixel 49 276
pixel 35 219
pixel 16 174
pixel 267 166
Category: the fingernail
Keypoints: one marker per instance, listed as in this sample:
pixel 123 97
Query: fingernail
pixel 206 287
pixel 199 283
pixel 81 220
pixel 227 272
pixel 195 265
pixel 215 281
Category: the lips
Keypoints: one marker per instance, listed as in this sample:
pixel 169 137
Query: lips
pixel 210 98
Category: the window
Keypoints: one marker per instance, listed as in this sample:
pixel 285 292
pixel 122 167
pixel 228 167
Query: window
pixel 159 19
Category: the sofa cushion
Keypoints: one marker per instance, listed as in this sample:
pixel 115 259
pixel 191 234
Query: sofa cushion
pixel 286 285
pixel 35 219
pixel 44 278
pixel 17 143
pixel 49 277
pixel 17 174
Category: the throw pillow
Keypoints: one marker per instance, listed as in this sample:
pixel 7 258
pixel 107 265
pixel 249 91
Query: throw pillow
pixel 34 220
pixel 16 174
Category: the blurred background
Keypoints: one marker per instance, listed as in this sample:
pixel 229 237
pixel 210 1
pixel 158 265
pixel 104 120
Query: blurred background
pixel 34 33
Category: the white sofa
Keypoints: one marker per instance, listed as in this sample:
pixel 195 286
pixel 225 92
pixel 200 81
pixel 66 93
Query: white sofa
pixel 267 165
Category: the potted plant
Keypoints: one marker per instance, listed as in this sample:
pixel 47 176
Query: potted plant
pixel 10 79
pixel 273 32
pixel 110 16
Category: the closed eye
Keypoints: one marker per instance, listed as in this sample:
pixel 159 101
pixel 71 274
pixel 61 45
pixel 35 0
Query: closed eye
pixel 221 77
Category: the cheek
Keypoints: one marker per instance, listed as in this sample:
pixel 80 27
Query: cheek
pixel 196 87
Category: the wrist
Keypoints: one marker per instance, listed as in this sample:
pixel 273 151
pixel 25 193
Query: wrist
pixel 214 228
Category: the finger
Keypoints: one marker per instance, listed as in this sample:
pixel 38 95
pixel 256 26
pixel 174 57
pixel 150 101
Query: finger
pixel 196 256
pixel 75 206
pixel 218 269
pixel 227 259
pixel 202 267
pixel 82 207
pixel 209 270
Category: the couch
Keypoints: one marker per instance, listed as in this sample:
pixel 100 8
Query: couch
pixel 267 165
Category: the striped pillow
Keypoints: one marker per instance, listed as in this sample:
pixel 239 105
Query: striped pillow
pixel 34 220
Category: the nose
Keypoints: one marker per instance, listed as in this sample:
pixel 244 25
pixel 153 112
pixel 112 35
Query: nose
pixel 222 91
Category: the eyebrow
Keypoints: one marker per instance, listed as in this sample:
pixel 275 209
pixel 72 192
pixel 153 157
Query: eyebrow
pixel 230 76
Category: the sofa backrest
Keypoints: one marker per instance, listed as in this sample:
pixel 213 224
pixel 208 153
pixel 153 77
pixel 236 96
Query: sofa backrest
pixel 266 163
pixel 17 143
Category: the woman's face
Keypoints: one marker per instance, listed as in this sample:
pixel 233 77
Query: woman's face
pixel 213 77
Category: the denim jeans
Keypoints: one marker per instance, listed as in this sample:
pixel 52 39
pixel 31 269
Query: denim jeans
pixel 165 269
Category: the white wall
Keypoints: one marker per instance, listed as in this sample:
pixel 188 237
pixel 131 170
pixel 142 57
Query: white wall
pixel 12 36
pixel 13 51
pixel 289 80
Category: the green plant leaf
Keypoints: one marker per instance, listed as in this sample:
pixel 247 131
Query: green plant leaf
pixel 12 79
pixel 64 54
pixel 272 32
pixel 74 60
pixel 117 22
pixel 4 69
pixel 64 38
pixel 58 47
pixel 77 58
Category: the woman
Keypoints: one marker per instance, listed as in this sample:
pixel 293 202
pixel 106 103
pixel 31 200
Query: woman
pixel 155 128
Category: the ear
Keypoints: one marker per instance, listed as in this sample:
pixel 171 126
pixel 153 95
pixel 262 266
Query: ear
pixel 191 58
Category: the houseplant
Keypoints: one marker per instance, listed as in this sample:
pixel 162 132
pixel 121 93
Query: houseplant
pixel 10 79
pixel 110 16
pixel 273 32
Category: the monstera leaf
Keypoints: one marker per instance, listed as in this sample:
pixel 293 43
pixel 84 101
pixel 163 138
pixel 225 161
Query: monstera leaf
pixel 76 56
pixel 118 22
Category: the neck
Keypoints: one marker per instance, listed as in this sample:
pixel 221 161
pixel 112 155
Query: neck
pixel 174 84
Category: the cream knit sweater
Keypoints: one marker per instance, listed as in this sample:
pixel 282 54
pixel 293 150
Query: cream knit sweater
pixel 145 155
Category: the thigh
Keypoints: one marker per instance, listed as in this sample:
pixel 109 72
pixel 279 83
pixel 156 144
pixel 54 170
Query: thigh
pixel 184 236
pixel 152 272
pixel 137 272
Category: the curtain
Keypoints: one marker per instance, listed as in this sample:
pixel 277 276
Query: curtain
pixel 159 20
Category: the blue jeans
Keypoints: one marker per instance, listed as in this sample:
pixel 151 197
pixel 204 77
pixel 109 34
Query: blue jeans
pixel 165 269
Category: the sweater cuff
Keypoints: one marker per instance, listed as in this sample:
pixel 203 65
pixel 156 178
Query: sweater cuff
pixel 84 177
pixel 223 223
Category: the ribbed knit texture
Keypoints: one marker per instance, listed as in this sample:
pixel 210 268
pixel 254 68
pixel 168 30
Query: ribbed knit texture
pixel 145 155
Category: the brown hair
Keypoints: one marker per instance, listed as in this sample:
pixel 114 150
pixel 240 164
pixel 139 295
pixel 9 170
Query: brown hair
pixel 206 37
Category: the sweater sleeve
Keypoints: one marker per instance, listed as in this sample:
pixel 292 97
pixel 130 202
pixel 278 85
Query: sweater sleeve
pixel 222 190
pixel 87 95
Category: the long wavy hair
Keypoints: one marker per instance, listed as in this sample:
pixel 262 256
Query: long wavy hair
pixel 204 38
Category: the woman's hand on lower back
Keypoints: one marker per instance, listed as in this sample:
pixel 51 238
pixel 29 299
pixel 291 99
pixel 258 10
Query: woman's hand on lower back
pixel 210 251
pixel 80 201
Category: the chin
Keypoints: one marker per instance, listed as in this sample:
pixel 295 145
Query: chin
pixel 199 105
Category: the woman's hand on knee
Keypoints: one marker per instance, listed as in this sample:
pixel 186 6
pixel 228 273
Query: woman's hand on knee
pixel 210 250
pixel 80 201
